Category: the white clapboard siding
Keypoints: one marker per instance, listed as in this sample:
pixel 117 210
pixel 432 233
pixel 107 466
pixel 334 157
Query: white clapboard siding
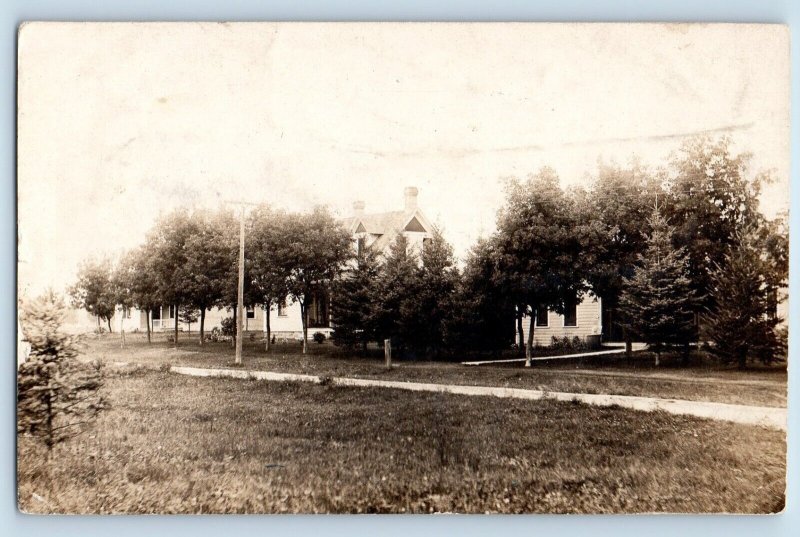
pixel 589 323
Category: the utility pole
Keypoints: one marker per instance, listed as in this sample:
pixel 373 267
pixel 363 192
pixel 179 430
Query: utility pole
pixel 240 293
pixel 240 290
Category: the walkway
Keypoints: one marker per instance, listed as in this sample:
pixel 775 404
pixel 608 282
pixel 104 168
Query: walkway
pixel 620 350
pixel 751 415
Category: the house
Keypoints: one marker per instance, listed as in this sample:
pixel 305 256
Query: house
pixel 369 230
pixel 580 319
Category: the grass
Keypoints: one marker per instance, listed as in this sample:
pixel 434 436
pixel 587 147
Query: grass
pixel 180 444
pixel 703 381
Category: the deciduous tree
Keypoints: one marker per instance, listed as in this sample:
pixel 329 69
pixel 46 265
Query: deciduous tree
pixel 540 246
pixel 94 291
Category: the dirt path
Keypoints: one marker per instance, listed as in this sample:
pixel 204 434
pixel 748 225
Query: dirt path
pixel 751 415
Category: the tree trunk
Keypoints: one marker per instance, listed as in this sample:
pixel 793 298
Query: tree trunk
pixel 658 358
pixel 743 359
pixel 267 309
pixel 202 326
pixel 520 330
pixel 122 327
pixel 176 325
pixel 628 344
pixel 233 337
pixel 529 346
pixel 147 322
pixel 108 320
pixel 305 325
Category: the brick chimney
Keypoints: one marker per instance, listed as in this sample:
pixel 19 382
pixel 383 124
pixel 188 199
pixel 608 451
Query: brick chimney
pixel 411 198
pixel 358 208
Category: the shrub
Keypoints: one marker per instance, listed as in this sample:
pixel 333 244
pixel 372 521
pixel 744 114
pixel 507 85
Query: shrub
pixel 319 337
pixel 228 327
pixel 57 395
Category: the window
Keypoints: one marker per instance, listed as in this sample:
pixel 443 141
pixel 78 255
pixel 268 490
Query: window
pixel 171 312
pixel 282 309
pixel 127 312
pixel 571 312
pixel 541 317
pixel 360 246
pixel 251 312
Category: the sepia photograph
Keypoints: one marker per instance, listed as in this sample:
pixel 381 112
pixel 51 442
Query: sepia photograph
pixel 294 267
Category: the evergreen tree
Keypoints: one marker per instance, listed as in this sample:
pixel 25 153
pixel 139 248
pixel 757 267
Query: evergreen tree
pixel 354 301
pixel 482 315
pixel 742 324
pixel 436 280
pixel 397 295
pixel 57 394
pixel 658 300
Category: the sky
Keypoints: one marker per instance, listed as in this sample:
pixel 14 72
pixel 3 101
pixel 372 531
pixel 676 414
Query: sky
pixel 120 122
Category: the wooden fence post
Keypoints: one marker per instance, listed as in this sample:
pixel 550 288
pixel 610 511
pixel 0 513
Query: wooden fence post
pixel 387 349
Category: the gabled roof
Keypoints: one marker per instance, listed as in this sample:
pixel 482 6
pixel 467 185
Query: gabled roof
pixel 387 225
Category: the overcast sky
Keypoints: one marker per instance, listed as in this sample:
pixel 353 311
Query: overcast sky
pixel 120 122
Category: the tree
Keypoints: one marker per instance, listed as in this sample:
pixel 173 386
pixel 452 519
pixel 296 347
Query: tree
pixel 482 317
pixel 743 321
pixel 208 268
pixel 189 315
pixel 268 276
pixel 314 253
pixel 356 292
pixel 94 291
pixel 436 281
pixel 540 247
pixel 616 211
pixel 711 198
pixel 136 276
pixel 397 289
pixel 57 395
pixel 658 300
pixel 170 241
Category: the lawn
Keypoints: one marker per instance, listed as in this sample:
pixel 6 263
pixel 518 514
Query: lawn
pixel 171 443
pixel 705 381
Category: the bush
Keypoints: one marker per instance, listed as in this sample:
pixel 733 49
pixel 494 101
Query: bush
pixel 319 337
pixel 57 395
pixel 228 327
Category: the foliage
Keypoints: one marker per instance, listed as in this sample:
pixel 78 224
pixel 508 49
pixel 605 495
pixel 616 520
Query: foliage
pixel 319 337
pixel 541 245
pixel 57 395
pixel 188 315
pixel 618 207
pixel 711 199
pixel 744 325
pixel 135 280
pixel 315 250
pixel 208 267
pixel 228 327
pixel 426 317
pixel 658 300
pixel 396 302
pixel 94 290
pixel 482 315
pixel 356 297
